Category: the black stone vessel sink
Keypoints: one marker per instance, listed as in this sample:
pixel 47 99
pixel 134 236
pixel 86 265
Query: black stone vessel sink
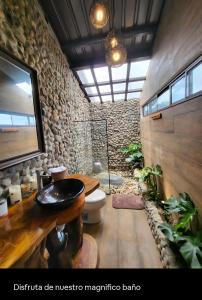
pixel 60 194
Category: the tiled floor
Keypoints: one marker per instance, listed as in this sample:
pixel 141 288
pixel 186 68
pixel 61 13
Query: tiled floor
pixel 124 239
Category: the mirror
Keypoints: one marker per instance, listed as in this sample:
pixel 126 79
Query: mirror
pixel 21 134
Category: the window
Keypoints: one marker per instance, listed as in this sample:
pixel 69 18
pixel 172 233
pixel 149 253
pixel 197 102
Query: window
pixel 119 87
pixel 14 119
pixel 101 74
pixel 105 89
pixel 195 79
pixel 113 83
pixel 145 110
pixel 190 80
pixel 91 90
pixel 153 106
pixel 135 85
pixel 164 99
pixel 106 98
pixel 178 90
pixel 119 73
pixel 135 95
pixel 119 97
pixel 95 99
pixel 85 76
pixel 139 68
pixel 5 119
pixel 20 120
pixel 32 121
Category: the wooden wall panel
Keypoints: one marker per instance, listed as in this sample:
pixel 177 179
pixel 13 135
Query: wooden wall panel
pixel 175 142
pixel 178 42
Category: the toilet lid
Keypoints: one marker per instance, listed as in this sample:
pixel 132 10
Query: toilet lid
pixel 97 195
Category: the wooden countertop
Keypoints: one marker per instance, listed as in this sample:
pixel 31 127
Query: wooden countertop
pixel 91 184
pixel 27 224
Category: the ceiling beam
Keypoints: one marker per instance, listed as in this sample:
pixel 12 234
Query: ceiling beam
pixel 115 93
pixel 125 33
pixel 114 81
pixel 137 53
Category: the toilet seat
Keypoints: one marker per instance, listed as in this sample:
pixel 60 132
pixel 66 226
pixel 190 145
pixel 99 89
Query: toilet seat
pixel 96 196
pixel 92 208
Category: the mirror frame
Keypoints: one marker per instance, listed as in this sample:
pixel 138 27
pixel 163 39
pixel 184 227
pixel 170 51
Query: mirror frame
pixel 37 110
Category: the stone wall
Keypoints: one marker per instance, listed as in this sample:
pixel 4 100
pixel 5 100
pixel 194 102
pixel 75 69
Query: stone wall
pixel 122 129
pixel 25 34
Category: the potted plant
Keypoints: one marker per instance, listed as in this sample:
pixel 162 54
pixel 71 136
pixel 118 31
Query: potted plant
pixel 134 155
pixel 181 234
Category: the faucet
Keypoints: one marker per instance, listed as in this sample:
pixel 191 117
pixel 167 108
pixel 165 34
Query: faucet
pixel 42 179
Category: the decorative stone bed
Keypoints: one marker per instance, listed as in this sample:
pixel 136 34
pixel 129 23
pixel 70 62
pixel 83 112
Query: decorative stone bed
pixel 132 186
pixel 128 185
pixel 168 257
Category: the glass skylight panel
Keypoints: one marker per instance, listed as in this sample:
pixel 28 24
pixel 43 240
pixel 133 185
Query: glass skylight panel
pixel 91 90
pixel 139 68
pixel 119 73
pixel 85 76
pixel 95 99
pixel 104 89
pixel 135 85
pixel 101 74
pixel 119 87
pixel 106 98
pixel 119 97
pixel 135 95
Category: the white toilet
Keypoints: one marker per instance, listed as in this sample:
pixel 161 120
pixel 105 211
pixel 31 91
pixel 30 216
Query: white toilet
pixel 92 208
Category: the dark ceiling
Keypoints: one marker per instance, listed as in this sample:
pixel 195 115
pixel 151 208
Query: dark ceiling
pixel 136 20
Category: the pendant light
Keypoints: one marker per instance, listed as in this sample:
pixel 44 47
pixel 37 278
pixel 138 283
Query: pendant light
pixel 99 14
pixel 116 53
pixel 112 40
pixel 117 56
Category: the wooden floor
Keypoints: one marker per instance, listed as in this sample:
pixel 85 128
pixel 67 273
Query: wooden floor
pixel 124 239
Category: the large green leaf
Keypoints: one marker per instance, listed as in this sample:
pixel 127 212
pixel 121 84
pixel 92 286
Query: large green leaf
pixel 168 231
pixel 184 206
pixel 186 220
pixel 180 204
pixel 134 153
pixel 191 250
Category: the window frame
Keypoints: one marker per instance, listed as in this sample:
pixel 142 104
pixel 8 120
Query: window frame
pixel 185 92
pixel 188 95
pixel 110 82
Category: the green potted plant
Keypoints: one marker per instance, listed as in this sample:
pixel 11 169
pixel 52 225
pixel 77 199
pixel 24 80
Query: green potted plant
pixel 134 155
pixel 150 175
pixel 182 236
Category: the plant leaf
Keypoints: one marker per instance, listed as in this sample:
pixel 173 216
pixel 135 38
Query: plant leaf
pixel 168 231
pixel 186 220
pixel 191 250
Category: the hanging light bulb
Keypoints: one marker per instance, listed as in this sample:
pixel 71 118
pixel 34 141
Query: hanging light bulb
pixel 117 56
pixel 99 14
pixel 112 40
